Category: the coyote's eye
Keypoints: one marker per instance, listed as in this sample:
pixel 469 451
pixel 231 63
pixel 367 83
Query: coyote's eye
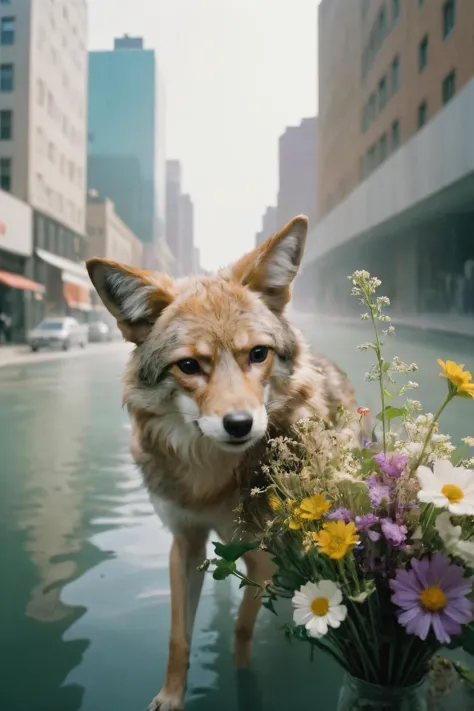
pixel 258 354
pixel 190 366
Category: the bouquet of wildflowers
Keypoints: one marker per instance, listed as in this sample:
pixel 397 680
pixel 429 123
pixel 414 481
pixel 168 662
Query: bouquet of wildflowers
pixel 373 540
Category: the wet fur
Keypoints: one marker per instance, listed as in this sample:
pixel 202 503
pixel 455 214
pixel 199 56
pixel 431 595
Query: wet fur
pixel 193 482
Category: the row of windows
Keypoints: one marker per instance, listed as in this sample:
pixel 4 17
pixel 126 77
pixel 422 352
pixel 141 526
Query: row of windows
pixel 379 150
pixel 387 86
pixel 58 239
pixel 386 19
pixel 48 149
pixel 45 98
pixel 64 51
pixel 380 30
pixel 57 203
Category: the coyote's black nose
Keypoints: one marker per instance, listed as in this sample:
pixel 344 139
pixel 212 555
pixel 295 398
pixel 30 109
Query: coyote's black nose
pixel 238 423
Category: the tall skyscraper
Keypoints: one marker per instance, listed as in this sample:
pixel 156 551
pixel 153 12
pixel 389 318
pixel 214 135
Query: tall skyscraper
pixel 297 171
pixel 43 140
pixel 173 210
pixel 43 80
pixel 127 140
pixel 187 234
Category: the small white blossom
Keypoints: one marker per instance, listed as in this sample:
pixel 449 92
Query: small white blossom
pixel 469 441
pixel 451 537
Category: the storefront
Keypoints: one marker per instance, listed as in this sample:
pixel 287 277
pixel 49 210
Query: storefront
pixel 68 286
pixel 21 297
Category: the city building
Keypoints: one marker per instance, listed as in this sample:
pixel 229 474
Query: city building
pixel 396 165
pixel 173 211
pixel 20 295
pixel 187 235
pixel 43 136
pixel 297 171
pixel 402 62
pixel 179 220
pixel 109 236
pixel 126 141
pixel 269 225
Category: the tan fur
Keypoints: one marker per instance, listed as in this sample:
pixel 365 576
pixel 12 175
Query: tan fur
pixel 193 474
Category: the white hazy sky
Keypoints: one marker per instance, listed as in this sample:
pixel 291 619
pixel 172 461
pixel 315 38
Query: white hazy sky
pixel 236 73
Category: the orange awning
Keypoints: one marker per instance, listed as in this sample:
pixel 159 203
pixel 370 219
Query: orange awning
pixel 77 297
pixel 16 281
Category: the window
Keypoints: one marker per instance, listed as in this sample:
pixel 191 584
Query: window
pixel 382 25
pixel 372 109
pixel 382 93
pixel 449 87
pixel 448 17
pixel 423 53
pixel 40 92
pixel 383 147
pixel 422 114
pixel 6 121
pixel 5 173
pixel 395 10
pixel 395 135
pixel 372 159
pixel 51 152
pixel 7 30
pixel 365 117
pixel 395 75
pixel 6 77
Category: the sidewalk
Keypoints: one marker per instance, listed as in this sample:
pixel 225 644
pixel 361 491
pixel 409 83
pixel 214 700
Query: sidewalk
pixel 450 324
pixel 22 355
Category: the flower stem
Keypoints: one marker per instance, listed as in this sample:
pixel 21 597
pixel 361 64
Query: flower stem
pixel 378 352
pixel 447 400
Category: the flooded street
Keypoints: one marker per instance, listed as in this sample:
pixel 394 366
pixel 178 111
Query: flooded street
pixel 85 595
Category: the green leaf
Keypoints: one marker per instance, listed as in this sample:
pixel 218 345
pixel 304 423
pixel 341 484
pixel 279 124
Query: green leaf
pixel 268 603
pixel 467 638
pixel 391 413
pixel 223 570
pixel 233 551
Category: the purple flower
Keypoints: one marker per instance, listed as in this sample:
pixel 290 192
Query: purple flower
pixel 433 595
pixel 340 514
pixel 379 491
pixel 364 525
pixel 391 463
pixel 396 535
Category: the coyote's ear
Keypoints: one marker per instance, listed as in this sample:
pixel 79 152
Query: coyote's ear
pixel 270 268
pixel 134 296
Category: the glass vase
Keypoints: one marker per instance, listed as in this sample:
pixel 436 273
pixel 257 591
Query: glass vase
pixel 357 695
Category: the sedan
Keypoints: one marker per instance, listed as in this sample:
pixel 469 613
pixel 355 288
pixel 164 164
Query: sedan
pixel 58 333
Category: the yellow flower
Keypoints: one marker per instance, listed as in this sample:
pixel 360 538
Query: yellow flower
pixel 458 378
pixel 294 524
pixel 314 507
pixel 336 539
pixel 274 502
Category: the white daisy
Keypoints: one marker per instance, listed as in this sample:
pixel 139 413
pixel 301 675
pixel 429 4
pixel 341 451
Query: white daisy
pixel 447 487
pixel 317 606
pixel 451 537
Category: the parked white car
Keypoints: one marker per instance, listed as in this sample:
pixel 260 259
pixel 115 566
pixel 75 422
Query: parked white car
pixel 58 333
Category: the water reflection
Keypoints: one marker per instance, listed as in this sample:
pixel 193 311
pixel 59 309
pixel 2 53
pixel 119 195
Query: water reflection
pixel 85 598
